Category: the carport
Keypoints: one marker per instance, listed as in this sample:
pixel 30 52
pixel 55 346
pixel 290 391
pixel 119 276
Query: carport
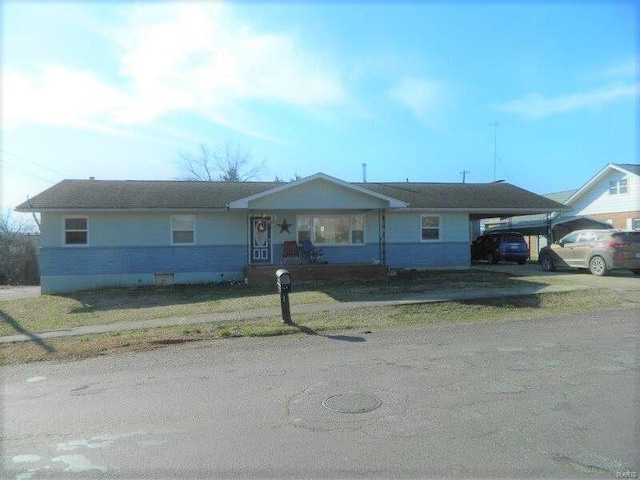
pixel 541 225
pixel 536 226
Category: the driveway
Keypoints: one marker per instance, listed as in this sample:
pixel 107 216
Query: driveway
pixel 618 280
pixel 13 293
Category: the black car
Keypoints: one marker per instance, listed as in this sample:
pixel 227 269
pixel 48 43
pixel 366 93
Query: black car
pixel 494 247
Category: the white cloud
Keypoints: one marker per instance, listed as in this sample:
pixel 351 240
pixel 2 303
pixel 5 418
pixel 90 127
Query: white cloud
pixel 420 96
pixel 58 96
pixel 536 106
pixel 178 56
pixel 627 70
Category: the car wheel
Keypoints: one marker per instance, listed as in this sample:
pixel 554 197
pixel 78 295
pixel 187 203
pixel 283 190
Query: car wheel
pixel 492 258
pixel 521 262
pixel 636 271
pixel 547 263
pixel 598 266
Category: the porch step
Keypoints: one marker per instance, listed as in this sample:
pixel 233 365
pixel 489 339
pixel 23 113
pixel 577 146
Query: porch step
pixel 315 273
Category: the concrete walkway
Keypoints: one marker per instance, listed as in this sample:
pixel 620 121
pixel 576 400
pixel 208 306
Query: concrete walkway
pixel 424 297
pixel 16 292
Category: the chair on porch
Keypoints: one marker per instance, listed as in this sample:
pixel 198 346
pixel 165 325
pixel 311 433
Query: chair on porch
pixel 309 253
pixel 291 252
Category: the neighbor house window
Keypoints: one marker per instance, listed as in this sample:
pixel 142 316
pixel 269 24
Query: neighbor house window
pixel 430 228
pixel 183 229
pixel 76 231
pixel 331 229
pixel 618 186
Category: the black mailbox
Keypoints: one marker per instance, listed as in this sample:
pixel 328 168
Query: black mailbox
pixel 283 281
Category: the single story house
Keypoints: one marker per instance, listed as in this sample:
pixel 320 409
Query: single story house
pixel 97 233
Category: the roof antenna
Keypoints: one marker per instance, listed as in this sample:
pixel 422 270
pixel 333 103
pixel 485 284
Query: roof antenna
pixel 495 125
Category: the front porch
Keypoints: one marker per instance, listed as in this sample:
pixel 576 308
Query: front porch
pixel 258 275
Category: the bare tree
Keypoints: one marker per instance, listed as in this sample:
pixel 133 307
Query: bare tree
pixel 228 163
pixel 18 260
pixel 295 178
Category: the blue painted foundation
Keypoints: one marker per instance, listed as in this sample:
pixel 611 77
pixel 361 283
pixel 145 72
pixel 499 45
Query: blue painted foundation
pixel 69 269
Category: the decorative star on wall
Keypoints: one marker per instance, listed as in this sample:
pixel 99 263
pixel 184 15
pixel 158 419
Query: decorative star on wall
pixel 284 226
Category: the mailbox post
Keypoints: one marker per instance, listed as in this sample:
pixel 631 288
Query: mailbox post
pixel 283 281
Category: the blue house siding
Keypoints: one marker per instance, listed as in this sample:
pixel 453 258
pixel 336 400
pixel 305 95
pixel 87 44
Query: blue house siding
pixel 399 255
pixel 66 269
pixel 146 229
pixel 429 255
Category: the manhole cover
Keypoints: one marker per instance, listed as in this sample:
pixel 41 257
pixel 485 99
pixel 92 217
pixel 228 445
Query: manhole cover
pixel 351 403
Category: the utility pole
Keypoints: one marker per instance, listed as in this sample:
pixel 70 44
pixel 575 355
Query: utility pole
pixel 464 175
pixel 495 144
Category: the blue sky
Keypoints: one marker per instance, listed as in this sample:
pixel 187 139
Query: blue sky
pixel 118 90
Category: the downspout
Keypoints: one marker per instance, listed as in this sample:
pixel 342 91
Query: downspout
pixel 35 218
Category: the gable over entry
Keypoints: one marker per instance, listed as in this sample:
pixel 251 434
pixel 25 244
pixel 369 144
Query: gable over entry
pixel 318 192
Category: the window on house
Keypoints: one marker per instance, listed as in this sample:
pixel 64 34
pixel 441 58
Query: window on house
pixel 183 229
pixel 76 231
pixel 635 223
pixel 331 229
pixel 618 187
pixel 430 228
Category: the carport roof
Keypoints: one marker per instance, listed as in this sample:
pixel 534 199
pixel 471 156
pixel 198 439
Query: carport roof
pixel 497 198
pixel 540 225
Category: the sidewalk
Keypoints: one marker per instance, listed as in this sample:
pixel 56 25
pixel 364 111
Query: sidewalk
pixel 274 311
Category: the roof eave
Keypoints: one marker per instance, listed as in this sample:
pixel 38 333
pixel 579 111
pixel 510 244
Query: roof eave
pixel 98 210
pixel 487 210
pixel 596 178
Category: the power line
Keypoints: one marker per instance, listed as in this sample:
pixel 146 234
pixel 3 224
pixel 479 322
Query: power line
pixel 464 175
pixel 64 175
pixel 26 173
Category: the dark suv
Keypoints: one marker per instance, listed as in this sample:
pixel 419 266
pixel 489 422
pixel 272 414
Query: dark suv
pixel 493 247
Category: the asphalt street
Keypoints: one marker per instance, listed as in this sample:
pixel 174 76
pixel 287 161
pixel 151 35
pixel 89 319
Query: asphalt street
pixel 554 397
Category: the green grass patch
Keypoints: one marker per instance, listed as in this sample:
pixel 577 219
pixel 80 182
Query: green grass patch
pixel 55 312
pixel 322 323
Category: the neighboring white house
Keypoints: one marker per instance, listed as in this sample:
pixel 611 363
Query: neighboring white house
pixel 97 233
pixel 611 196
pixel 610 199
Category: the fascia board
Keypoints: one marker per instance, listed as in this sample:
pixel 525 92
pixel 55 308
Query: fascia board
pixel 134 210
pixel 485 210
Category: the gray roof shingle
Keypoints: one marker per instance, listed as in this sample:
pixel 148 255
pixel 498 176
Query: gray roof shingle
pixel 162 195
pixel 631 167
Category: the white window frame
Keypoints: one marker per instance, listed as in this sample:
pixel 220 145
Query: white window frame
pixel 349 218
pixel 439 229
pixel 172 230
pixel 618 187
pixel 65 230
